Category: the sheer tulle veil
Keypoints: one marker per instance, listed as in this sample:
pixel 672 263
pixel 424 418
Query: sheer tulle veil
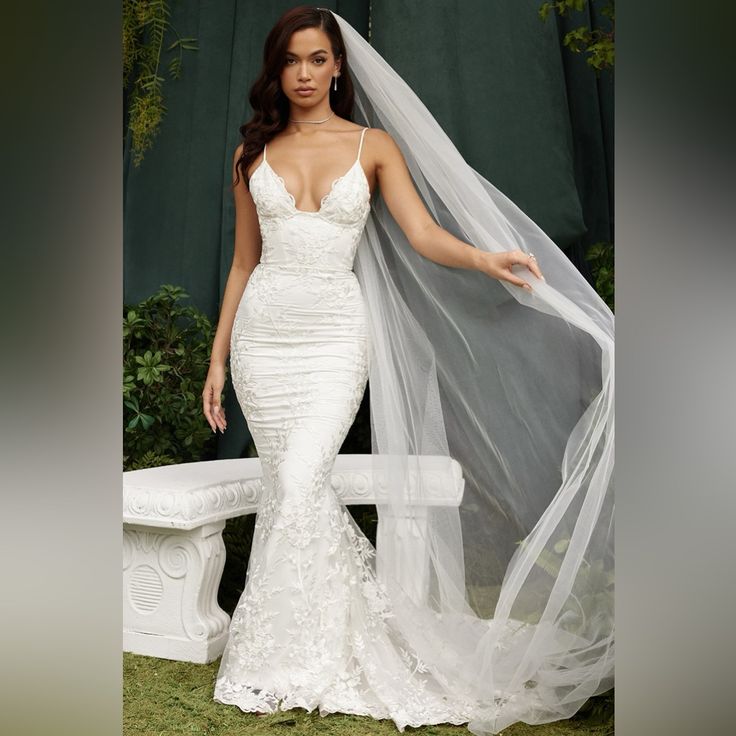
pixel 508 597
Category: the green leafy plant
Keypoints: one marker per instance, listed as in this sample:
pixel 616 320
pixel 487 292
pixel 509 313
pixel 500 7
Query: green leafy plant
pixel 165 359
pixel 145 24
pixel 601 258
pixel 150 459
pixel 599 45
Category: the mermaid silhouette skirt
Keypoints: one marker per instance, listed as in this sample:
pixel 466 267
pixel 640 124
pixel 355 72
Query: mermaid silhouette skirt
pixel 299 368
pixel 313 627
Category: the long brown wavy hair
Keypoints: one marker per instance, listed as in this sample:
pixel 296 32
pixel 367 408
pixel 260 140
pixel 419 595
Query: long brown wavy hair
pixel 269 103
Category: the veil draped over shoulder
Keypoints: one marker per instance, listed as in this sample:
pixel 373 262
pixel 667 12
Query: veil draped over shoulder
pixel 508 597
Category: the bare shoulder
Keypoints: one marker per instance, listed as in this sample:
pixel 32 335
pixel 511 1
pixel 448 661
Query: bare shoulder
pixel 380 137
pixel 384 147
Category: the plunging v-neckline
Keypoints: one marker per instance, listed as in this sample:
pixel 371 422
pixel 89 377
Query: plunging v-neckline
pixel 324 199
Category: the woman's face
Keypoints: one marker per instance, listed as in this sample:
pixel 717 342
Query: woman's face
pixel 309 64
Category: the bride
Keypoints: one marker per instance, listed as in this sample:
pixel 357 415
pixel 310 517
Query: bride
pixel 367 250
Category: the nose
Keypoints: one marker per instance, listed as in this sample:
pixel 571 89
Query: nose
pixel 303 72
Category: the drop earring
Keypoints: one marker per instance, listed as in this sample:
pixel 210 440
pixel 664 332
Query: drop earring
pixel 335 87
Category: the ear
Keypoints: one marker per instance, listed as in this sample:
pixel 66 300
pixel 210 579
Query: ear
pixel 338 63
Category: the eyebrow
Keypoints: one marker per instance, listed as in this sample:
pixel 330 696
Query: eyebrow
pixel 319 51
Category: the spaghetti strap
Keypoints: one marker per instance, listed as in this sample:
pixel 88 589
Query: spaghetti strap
pixel 264 151
pixel 360 147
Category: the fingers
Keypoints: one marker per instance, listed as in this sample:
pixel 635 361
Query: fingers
pixel 511 278
pixel 219 414
pixel 213 411
pixel 523 259
pixel 533 266
pixel 207 406
pixel 514 257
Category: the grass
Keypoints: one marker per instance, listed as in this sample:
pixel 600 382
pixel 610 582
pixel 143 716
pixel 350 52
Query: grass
pixel 163 697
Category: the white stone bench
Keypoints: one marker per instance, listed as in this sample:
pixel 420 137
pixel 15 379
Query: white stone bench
pixel 174 555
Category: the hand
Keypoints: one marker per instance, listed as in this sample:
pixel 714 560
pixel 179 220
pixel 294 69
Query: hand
pixel 498 266
pixel 213 386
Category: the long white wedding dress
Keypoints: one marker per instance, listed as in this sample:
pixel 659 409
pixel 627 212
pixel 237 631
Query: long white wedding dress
pixel 313 627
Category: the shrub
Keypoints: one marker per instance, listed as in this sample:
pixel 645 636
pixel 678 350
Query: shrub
pixel 165 359
pixel 601 260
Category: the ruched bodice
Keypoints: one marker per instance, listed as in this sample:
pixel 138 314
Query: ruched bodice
pixel 326 239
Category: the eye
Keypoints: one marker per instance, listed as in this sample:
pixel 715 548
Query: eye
pixel 321 60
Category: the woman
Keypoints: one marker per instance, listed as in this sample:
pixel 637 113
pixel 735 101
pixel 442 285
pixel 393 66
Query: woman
pixel 418 631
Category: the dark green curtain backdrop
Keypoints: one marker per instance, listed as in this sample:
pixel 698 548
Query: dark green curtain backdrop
pixel 525 112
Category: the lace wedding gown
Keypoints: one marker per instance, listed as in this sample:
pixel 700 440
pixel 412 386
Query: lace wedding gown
pixel 313 627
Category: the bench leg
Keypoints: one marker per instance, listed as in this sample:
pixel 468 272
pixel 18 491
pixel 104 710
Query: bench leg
pixel 170 583
pixel 408 536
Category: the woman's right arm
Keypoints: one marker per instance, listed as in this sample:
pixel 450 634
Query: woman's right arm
pixel 246 254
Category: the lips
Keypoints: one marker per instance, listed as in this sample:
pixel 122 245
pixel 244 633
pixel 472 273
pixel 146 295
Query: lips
pixel 305 89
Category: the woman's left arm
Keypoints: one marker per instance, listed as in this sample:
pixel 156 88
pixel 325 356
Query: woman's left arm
pixel 423 233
